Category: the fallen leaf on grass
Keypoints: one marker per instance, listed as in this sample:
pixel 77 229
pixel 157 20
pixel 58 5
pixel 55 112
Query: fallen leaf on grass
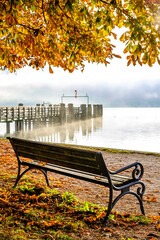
pixel 108 230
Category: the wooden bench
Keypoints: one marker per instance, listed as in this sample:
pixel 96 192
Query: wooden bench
pixel 81 164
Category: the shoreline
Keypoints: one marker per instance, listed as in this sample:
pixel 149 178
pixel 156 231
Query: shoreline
pixel 106 149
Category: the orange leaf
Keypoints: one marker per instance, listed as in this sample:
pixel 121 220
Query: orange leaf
pixel 50 69
pixel 117 56
pixel 153 199
pixel 129 62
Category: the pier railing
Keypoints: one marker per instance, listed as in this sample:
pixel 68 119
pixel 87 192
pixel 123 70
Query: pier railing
pixel 10 114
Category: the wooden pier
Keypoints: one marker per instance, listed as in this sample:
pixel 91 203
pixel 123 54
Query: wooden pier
pixel 40 115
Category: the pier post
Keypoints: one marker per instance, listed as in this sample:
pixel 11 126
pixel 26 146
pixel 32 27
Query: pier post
pixel 50 115
pixel 22 125
pixel 84 112
pixel 38 114
pixel 97 111
pixel 70 113
pixel 8 127
pixel 34 123
pixel 62 113
pixel 25 123
pixel 100 110
pixel 29 124
pixel 19 125
pixel 89 115
pixel 94 111
pixel 16 126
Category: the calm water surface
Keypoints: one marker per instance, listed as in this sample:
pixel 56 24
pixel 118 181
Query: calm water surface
pixel 122 128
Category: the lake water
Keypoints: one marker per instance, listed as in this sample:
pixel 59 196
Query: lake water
pixel 121 128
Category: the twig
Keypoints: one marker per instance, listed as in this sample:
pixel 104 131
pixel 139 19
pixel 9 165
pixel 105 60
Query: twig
pixel 43 12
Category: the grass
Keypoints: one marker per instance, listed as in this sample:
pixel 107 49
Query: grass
pixel 112 150
pixel 140 219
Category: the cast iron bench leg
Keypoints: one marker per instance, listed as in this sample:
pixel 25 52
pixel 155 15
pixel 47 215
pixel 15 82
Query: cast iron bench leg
pixel 19 175
pixel 124 191
pixel 110 205
pixel 45 174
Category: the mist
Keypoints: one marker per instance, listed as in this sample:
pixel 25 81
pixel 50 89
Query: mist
pixel 142 94
pixel 113 86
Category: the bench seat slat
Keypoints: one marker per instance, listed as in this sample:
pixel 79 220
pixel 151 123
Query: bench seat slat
pixel 115 178
pixel 101 180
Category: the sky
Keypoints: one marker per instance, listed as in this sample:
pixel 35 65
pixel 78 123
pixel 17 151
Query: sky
pixel 113 86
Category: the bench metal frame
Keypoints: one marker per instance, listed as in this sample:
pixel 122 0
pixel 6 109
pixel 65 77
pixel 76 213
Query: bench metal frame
pixel 111 179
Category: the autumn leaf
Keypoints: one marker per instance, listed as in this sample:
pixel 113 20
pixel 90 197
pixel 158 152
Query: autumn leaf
pixel 129 62
pixel 151 199
pixel 117 56
pixel 50 69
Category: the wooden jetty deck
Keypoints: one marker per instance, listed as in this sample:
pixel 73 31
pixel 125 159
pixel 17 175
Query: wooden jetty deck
pixel 40 115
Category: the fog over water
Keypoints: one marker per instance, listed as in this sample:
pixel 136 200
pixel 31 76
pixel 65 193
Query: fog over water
pixel 121 128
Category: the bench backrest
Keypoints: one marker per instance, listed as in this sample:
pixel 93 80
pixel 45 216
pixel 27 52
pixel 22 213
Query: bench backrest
pixel 70 157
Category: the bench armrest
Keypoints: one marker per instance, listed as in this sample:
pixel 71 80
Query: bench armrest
pixel 137 172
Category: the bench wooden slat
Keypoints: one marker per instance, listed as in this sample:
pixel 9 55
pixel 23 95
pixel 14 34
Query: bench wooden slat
pixel 66 157
pixel 98 179
pixel 63 157
pixel 116 178
pixel 58 156
pixel 60 163
pixel 56 148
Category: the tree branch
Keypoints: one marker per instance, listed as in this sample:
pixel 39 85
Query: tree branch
pixel 43 12
pixel 104 2
pixel 11 5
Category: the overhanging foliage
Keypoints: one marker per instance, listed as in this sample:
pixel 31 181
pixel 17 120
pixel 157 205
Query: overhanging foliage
pixel 66 33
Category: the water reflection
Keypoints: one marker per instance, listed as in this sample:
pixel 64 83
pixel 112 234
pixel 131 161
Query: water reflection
pixel 127 128
pixel 67 133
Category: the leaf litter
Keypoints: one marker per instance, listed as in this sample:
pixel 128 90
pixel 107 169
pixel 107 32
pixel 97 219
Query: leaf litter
pixel 34 211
